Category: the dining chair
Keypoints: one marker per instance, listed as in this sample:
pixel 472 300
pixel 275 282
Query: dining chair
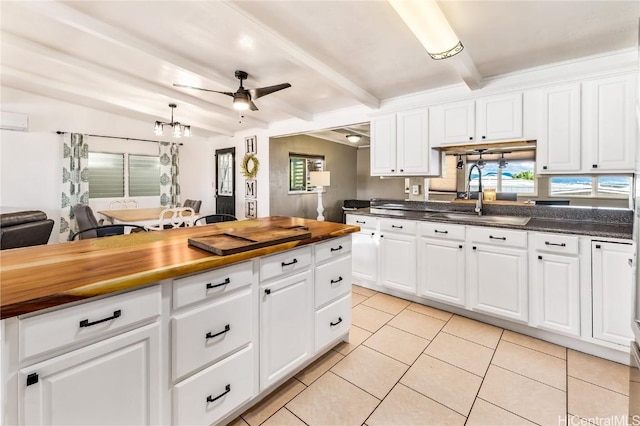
pixel 174 218
pixel 106 231
pixel 194 204
pixel 215 218
pixel 123 204
pixel 86 220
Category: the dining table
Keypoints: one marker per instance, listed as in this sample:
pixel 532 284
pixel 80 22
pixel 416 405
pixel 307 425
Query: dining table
pixel 141 217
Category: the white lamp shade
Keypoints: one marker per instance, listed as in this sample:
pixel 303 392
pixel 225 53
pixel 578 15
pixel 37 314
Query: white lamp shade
pixel 320 178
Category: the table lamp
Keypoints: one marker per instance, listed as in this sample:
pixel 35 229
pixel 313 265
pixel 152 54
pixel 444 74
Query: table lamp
pixel 320 180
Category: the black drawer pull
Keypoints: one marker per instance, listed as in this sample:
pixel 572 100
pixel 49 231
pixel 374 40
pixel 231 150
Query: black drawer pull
pixel 211 336
pixel 399 227
pixel 555 244
pixel 294 261
pixel 598 246
pixel 336 249
pixel 498 238
pixel 460 246
pixel 474 247
pixel 227 389
pixel 361 221
pixel 225 282
pixel 336 281
pixel 539 257
pixel 440 232
pixel 333 324
pixel 267 291
pixel 86 323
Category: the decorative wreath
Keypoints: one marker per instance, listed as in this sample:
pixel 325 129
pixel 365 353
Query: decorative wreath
pixel 250 166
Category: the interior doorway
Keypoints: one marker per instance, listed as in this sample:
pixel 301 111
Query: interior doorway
pixel 226 181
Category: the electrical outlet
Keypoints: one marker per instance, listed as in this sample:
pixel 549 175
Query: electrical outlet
pixel 415 189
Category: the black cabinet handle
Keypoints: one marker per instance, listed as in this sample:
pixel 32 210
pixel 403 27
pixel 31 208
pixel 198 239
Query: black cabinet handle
pixel 393 170
pixel 498 238
pixel 225 282
pixel 227 389
pixel 539 257
pixel 333 324
pixel 361 221
pixel 267 291
pixel 86 323
pixel 441 232
pixel 460 246
pixel 595 166
pixel 373 233
pixel 336 249
pixel 402 170
pixel 484 137
pixel 544 167
pixel 470 138
pixel 294 261
pixel 336 281
pixel 598 246
pixel 211 336
pixel 555 244
pixel 398 227
pixel 381 236
pixel 474 247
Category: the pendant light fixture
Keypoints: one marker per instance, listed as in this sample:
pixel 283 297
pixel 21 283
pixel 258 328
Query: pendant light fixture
pixel 179 130
pixel 502 163
pixel 460 163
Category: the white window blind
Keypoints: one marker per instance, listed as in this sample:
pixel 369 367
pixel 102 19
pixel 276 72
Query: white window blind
pixel 144 175
pixel 106 175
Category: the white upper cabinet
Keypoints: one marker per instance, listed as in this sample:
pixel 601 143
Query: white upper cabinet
pixel 609 124
pixel 559 129
pixel 487 119
pixel 400 145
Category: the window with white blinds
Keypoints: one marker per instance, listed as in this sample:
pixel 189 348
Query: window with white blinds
pixel 299 167
pixel 115 175
pixel 144 173
pixel 106 175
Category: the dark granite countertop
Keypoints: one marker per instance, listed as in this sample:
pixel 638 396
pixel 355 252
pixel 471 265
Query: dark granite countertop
pixel 618 227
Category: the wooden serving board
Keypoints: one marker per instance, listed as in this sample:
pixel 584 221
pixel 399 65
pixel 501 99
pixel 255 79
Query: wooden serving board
pixel 239 240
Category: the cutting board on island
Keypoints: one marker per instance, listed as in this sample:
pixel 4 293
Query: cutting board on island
pixel 234 241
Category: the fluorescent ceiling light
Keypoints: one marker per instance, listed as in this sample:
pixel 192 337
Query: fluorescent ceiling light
pixel 427 22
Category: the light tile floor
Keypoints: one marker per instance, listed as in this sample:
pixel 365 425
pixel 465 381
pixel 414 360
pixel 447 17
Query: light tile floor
pixel 409 364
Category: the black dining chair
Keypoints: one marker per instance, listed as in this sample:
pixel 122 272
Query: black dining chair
pixel 194 204
pixel 215 218
pixel 106 231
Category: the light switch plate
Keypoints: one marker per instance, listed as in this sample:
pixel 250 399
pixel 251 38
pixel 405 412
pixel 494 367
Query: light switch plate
pixel 415 189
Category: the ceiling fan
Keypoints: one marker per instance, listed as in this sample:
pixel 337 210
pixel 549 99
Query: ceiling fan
pixel 243 98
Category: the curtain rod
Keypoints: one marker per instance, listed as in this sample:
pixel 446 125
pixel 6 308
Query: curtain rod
pixel 118 137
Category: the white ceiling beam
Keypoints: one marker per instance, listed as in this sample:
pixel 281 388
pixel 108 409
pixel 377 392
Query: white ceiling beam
pixel 27 81
pixel 135 82
pixel 466 69
pixel 80 21
pixel 302 56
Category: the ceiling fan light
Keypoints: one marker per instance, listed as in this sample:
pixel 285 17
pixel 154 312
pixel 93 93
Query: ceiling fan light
pixel 241 101
pixel 158 129
pixel 354 138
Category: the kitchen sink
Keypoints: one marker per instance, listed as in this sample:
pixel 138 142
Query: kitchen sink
pixel 499 220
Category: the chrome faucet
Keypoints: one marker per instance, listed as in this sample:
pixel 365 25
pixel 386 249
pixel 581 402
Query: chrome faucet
pixel 478 208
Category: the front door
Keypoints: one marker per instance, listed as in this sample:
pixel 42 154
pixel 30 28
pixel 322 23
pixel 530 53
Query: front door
pixel 225 181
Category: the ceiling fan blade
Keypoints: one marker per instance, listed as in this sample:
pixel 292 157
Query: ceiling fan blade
pixel 252 106
pixel 263 91
pixel 204 90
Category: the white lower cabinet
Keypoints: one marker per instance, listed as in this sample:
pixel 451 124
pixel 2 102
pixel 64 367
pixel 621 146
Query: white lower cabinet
pixel 115 382
pixel 441 270
pixel 332 321
pixel 286 326
pixel 497 272
pixel 612 281
pixel 398 254
pixel 364 246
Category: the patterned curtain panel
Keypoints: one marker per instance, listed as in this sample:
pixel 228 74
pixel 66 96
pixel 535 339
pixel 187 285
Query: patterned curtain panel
pixel 169 172
pixel 75 180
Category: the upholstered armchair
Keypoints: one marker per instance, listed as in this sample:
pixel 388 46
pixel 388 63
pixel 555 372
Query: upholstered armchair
pixel 24 229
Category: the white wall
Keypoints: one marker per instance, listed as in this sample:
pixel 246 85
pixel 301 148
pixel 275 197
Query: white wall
pixel 30 162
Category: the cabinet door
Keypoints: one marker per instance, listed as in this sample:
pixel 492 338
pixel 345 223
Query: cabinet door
pixel 497 280
pixel 458 122
pixel 364 256
pixel 499 117
pixel 609 123
pixel 116 381
pixel 441 270
pixel 556 281
pixel 383 145
pixel 286 326
pixel 612 291
pixel 559 138
pixel 413 143
pixel 398 262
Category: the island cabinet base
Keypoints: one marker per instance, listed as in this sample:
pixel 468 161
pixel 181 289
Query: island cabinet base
pixel 197 349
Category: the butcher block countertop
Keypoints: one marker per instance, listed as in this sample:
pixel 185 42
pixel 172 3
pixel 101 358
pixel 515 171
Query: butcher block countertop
pixel 34 278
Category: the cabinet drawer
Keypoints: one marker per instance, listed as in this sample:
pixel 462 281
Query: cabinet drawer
pixel 203 335
pixel 80 323
pixel 556 243
pixel 442 230
pixel 398 226
pixel 362 221
pixel 211 284
pixel 208 396
pixel 333 321
pixel 498 236
pixel 283 263
pixel 332 280
pixel 332 249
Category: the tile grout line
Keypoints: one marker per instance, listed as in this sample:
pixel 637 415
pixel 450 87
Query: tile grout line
pixel 597 385
pixel 504 409
pixel 283 405
pixel 527 377
pixel 294 414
